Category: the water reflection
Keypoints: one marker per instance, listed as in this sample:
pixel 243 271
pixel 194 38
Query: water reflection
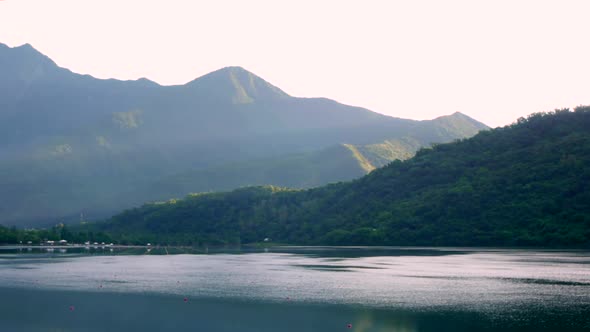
pixel 383 289
pixel 369 321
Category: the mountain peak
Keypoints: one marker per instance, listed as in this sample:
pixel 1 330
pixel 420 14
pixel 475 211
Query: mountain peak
pixel 459 124
pixel 453 115
pixel 23 46
pixel 459 118
pixel 24 63
pixel 233 69
pixel 27 46
pixel 238 85
pixel 25 50
pixel 146 82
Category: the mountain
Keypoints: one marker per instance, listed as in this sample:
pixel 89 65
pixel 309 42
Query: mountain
pixel 527 184
pixel 336 163
pixel 73 144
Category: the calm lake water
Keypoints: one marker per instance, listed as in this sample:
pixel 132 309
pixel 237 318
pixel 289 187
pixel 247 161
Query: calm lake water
pixel 296 289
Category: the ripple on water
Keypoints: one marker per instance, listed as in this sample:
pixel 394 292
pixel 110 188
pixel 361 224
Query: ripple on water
pixel 486 281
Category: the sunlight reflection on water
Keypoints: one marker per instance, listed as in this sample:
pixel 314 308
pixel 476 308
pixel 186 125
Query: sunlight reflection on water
pixel 387 289
pixel 484 280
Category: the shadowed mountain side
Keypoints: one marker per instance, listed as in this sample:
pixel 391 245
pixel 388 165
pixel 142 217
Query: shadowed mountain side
pixel 310 169
pixel 305 170
pixel 521 185
pixel 298 171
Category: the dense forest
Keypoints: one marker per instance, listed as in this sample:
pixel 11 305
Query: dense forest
pixel 526 184
pixel 15 235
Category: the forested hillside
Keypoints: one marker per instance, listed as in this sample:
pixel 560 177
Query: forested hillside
pixel 527 184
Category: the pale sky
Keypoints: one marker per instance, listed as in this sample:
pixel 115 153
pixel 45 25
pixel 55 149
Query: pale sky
pixel 493 60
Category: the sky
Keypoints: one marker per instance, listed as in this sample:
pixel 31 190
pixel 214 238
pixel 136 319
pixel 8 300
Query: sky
pixel 492 60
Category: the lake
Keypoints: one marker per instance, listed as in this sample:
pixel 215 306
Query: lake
pixel 295 289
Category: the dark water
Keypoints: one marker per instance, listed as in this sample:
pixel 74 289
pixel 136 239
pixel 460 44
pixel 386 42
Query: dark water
pixel 296 289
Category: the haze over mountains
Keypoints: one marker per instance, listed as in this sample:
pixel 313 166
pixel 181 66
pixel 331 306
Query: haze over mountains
pixel 73 144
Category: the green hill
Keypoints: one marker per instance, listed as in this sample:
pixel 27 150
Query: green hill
pixel 527 184
pixel 75 144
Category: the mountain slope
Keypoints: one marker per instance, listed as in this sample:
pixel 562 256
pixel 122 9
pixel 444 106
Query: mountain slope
pixel 525 184
pixel 337 163
pixel 342 162
pixel 75 144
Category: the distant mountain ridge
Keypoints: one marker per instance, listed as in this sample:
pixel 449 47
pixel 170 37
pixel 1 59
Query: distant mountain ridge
pixel 75 144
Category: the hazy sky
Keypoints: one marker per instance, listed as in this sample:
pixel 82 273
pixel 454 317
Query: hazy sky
pixel 493 60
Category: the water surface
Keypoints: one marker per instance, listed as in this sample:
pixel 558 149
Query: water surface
pixel 296 289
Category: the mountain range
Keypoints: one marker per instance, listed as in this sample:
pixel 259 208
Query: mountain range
pixel 74 146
